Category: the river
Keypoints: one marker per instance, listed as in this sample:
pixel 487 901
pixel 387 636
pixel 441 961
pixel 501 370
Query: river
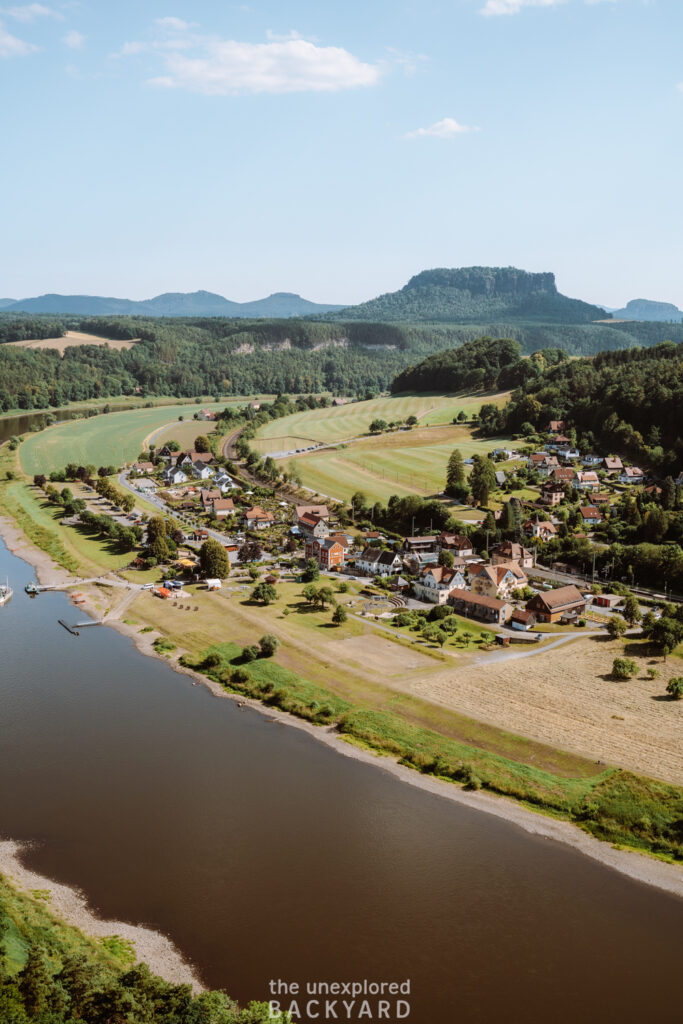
pixel 264 854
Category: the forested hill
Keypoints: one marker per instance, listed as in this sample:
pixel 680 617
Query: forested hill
pixel 477 295
pixel 201 303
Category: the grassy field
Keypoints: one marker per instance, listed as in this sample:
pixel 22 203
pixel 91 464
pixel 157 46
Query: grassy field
pixel 410 462
pixel 72 338
pixel 339 423
pixel 110 439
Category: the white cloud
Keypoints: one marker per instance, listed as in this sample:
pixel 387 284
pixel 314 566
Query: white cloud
pixel 29 12
pixel 448 128
pixel 228 67
pixel 74 40
pixel 494 7
pixel 174 24
pixel 10 46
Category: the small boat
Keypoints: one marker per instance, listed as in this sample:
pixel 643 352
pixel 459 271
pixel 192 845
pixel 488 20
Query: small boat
pixel 5 592
pixel 31 588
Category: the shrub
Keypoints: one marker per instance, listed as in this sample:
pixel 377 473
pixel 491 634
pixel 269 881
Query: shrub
pixel 211 661
pixel 250 653
pixel 623 668
pixel 440 611
pixel 268 644
pixel 675 688
pixel 239 677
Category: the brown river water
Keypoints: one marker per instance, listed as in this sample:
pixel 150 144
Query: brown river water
pixel 264 854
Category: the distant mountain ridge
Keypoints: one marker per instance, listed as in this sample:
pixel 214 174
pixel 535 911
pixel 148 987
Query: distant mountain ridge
pixel 647 309
pixel 201 303
pixel 474 295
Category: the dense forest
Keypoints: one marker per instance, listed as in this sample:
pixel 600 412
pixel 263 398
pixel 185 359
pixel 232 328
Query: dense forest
pixel 190 357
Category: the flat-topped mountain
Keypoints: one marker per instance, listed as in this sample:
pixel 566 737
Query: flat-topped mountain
pixel 477 295
pixel 201 303
pixel 646 309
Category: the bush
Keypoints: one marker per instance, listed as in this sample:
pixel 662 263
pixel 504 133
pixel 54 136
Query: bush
pixel 440 611
pixel 250 653
pixel 239 677
pixel 624 668
pixel 268 645
pixel 675 688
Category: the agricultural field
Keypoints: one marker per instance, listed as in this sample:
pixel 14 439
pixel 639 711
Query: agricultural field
pixel 110 439
pixel 72 338
pixel 404 462
pixel 340 423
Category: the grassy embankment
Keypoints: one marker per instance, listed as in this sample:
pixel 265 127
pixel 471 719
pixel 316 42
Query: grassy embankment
pixel 314 677
pixel 28 919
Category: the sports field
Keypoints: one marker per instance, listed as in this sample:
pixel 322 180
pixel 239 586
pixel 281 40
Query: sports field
pixel 339 423
pixel 411 462
pixel 109 439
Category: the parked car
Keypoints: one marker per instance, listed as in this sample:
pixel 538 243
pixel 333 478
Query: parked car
pixel 148 586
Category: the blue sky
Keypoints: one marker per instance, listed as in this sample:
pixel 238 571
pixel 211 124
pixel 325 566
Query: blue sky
pixel 335 149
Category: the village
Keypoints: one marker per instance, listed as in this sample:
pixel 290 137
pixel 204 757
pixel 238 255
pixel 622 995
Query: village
pixel 508 588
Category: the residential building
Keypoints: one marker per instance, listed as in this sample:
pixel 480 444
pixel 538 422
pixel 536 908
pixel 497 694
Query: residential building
pixel 553 605
pixel 586 481
pixel 258 519
pixel 612 464
pixel 206 414
pixel 143 467
pixel 223 507
pixel 201 471
pixel 223 481
pixel 497 580
pixel 378 562
pixel 631 475
pixel 311 525
pixel 174 476
pixel 563 475
pixel 207 497
pixel 552 493
pixel 478 606
pixel 424 545
pixel 329 552
pixel 592 460
pixel 543 530
pixel 321 511
pixel 508 551
pixel 543 463
pixel 556 426
pixel 457 543
pixel 190 458
pixel 436 582
pixel 590 515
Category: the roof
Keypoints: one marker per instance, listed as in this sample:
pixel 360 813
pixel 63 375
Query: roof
pixel 455 540
pixel 554 599
pixel 164 592
pixel 257 513
pixel 223 504
pixel 479 599
pixel 144 466
pixel 563 473
pixel 590 512
pixel 209 495
pixel 512 550
pixel 310 519
pixel 414 541
pixel 553 487
pixel 613 462
pixel 589 476
pixel 317 510
pixel 197 456
pixel 497 573
pixel 500 476
pixel 556 424
pixel 523 616
pixel 633 471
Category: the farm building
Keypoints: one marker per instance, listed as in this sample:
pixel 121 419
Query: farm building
pixel 523 620
pixel 565 602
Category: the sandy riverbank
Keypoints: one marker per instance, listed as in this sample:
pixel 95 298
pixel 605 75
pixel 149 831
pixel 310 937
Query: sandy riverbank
pixel 639 867
pixel 152 947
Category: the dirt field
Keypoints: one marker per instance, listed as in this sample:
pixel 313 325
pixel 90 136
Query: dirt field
pixel 72 338
pixel 567 698
pixel 374 653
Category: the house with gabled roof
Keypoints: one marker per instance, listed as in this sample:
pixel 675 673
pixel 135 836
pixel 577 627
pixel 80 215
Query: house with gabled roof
pixel 586 481
pixel 257 518
pixel 478 606
pixel 590 515
pixel 509 551
pixel 174 475
pixel 556 426
pixel 378 562
pixel 201 471
pixel 497 580
pixel 223 507
pixel 321 511
pixel 553 605
pixel 631 475
pixel 207 497
pixel 457 543
pixel 612 464
pixel 552 493
pixel 563 475
pixel 544 530
pixel 436 582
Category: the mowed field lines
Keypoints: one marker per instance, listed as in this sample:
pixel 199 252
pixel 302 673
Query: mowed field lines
pixel 410 462
pixel 339 423
pixel 109 439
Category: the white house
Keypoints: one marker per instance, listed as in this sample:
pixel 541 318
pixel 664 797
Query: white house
pixel 200 471
pixel 223 481
pixel 631 475
pixel 436 582
pixel 586 481
pixel 174 476
pixel 377 562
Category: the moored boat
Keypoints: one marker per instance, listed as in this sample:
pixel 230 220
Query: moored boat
pixel 5 592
